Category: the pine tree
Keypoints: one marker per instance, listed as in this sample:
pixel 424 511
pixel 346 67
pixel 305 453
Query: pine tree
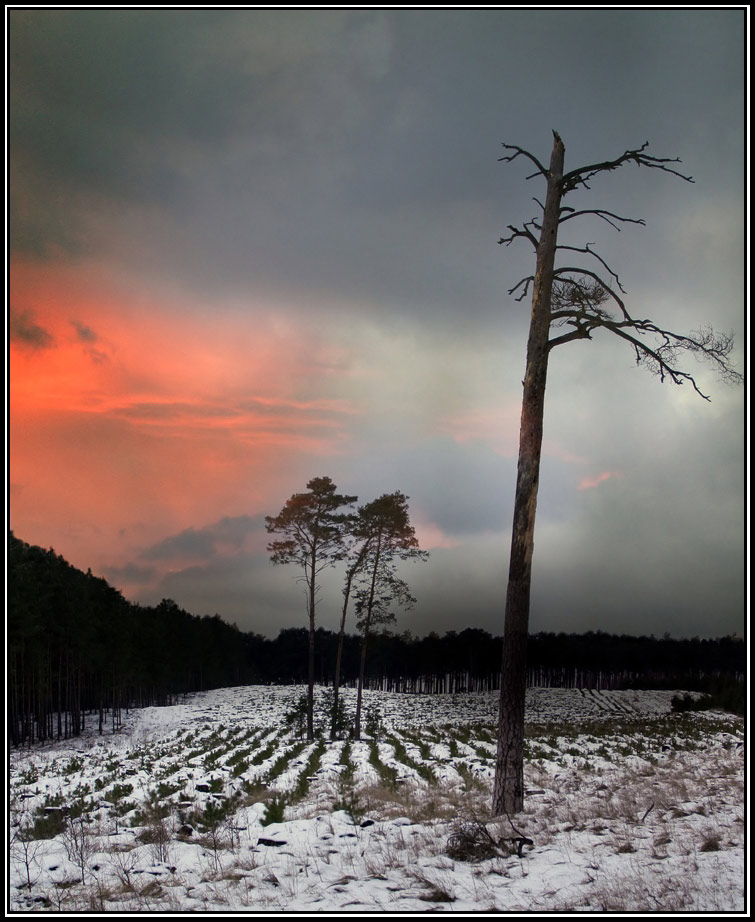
pixel 313 528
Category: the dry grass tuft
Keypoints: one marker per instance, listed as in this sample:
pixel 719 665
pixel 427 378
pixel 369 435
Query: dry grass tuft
pixel 437 889
pixel 634 892
pixel 420 804
pixel 472 842
pixel 711 842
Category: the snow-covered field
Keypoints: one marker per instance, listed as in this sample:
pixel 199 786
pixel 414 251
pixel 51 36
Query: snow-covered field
pixel 216 805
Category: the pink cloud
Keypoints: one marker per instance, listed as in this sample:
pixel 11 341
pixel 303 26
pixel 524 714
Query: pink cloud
pixel 588 483
pixel 430 535
pixel 184 415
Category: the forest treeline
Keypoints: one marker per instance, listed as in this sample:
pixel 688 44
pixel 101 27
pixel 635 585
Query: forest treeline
pixel 79 654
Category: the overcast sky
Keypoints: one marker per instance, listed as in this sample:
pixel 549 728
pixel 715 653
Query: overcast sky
pixel 252 247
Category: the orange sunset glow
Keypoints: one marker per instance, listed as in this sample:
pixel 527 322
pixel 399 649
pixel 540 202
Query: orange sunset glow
pixel 126 413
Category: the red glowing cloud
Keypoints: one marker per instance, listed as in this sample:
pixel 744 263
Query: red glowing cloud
pixel 127 412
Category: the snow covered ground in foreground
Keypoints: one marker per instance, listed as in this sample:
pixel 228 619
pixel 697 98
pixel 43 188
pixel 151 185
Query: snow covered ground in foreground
pixel 217 805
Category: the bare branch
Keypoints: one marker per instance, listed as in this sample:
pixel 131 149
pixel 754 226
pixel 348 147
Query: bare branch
pixel 662 356
pixel 520 151
pixel 579 295
pixel 559 273
pixel 579 177
pixel 658 360
pixel 579 333
pixel 520 232
pixel 704 344
pixel 572 295
pixel 576 303
pixel 586 249
pixel 601 213
pixel 526 282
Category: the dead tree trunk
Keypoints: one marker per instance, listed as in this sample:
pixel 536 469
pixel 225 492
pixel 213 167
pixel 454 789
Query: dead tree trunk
pixel 508 790
pixel 579 299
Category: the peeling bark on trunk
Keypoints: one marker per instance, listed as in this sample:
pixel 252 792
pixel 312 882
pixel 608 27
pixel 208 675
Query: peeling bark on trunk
pixel 508 789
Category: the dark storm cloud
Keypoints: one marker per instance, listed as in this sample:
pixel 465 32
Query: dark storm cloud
pixel 348 159
pixel 104 102
pixel 246 590
pixel 131 573
pixel 292 143
pixel 26 332
pixel 96 91
pixel 229 533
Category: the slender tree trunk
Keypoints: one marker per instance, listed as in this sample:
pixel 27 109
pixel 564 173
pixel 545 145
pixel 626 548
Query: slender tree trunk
pixel 363 655
pixel 356 567
pixel 360 685
pixel 60 695
pixel 336 685
pixel 339 652
pixel 311 657
pixel 508 788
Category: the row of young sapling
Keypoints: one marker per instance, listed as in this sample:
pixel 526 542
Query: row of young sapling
pixel 192 787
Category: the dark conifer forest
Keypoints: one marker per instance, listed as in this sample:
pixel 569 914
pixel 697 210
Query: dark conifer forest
pixel 79 654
